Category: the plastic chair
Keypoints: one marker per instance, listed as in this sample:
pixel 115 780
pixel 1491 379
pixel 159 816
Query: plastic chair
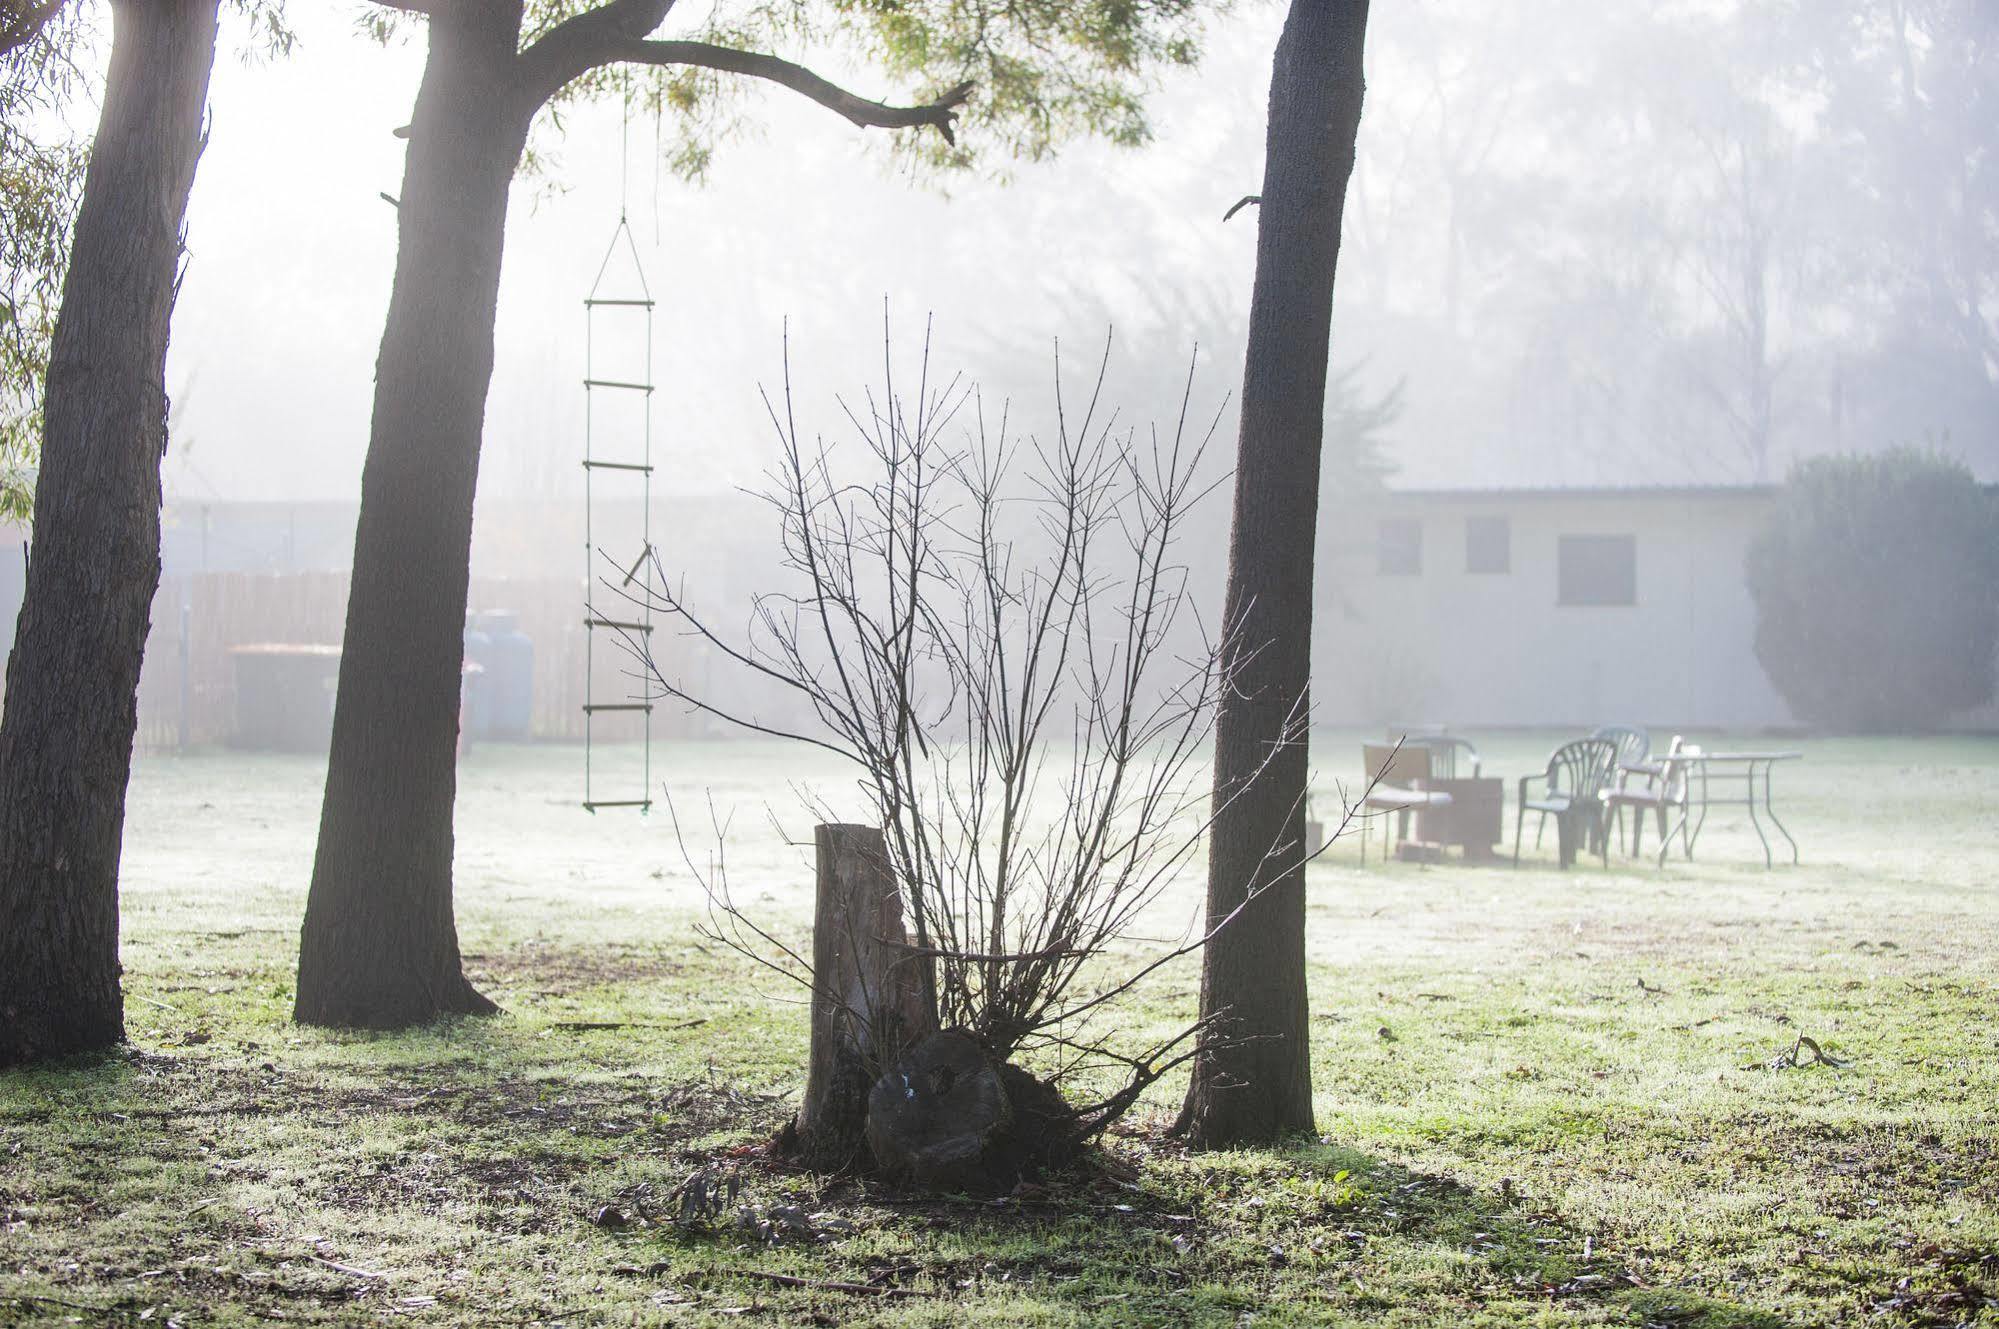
pixel 1665 788
pixel 1577 775
pixel 1633 744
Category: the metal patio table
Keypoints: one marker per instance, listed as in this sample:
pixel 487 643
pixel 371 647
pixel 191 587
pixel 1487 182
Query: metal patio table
pixel 1752 769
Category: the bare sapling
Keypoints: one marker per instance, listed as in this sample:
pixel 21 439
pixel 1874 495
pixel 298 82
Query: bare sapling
pixel 996 630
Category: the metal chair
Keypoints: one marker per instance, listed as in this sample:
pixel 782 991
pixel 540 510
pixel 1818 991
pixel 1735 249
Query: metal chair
pixel 1395 775
pixel 1573 795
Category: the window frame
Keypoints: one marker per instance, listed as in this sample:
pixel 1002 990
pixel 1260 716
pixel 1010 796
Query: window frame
pixel 1489 521
pixel 1570 596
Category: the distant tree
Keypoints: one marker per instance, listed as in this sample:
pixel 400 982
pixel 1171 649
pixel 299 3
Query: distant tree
pixel 72 681
pixel 1253 1081
pixel 1877 592
pixel 1797 250
pixel 379 945
pixel 1910 88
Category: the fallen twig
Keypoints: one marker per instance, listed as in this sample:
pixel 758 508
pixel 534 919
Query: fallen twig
pixel 348 1269
pixel 586 1026
pixel 1789 1058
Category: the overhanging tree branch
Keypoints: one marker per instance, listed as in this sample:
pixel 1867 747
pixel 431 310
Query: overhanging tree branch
pixel 579 43
pixel 860 111
pixel 594 39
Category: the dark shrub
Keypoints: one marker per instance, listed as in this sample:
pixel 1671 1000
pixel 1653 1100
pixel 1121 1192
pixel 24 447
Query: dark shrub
pixel 1877 591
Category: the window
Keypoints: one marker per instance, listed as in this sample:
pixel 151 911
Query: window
pixel 1488 545
pixel 1399 547
pixel 1596 570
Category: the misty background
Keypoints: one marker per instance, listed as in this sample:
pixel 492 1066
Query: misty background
pixel 1589 244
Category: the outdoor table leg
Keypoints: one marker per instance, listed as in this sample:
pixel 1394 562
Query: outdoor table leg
pixel 1771 812
pixel 1693 832
pixel 1749 801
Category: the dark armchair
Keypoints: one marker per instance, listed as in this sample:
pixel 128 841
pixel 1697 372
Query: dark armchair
pixel 1572 793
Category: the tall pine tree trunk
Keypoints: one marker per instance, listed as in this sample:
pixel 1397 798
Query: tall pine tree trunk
pixel 73 678
pixel 379 948
pixel 1254 1081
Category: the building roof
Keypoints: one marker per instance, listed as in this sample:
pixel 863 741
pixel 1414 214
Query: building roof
pixel 1485 493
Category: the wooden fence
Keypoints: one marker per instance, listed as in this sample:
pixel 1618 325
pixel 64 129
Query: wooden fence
pixel 187 689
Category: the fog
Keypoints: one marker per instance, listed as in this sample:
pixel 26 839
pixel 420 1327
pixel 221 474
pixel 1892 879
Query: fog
pixel 1643 258
pixel 1665 244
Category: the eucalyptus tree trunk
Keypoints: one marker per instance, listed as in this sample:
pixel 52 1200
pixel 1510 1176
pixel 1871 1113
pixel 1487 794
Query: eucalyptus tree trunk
pixel 73 678
pixel 1254 1080
pixel 379 948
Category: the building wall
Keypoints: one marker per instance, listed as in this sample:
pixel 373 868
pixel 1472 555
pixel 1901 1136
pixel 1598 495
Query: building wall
pixel 1448 646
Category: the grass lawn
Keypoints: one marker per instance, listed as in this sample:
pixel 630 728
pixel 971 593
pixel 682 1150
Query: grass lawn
pixel 1545 1097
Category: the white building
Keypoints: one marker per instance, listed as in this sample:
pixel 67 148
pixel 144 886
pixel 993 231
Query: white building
pixel 1557 607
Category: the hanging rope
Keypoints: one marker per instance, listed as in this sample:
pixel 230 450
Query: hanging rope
pixel 632 630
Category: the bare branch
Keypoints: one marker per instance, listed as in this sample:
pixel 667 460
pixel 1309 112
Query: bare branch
pixel 938 114
pixel 994 631
pixel 1242 203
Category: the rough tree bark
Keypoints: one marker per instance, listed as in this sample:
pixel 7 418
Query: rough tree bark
pixel 379 947
pixel 73 678
pixel 868 1000
pixel 1254 1081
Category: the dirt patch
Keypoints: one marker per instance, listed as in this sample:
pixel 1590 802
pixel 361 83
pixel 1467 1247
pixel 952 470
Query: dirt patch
pixel 548 969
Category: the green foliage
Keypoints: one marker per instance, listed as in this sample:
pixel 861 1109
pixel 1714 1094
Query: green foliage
pixel 1877 591
pixel 41 183
pixel 41 177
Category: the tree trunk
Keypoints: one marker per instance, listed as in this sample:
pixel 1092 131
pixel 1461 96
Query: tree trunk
pixel 1254 1079
pixel 868 1000
pixel 379 948
pixel 73 679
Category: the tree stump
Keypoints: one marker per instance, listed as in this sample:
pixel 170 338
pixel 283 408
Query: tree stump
pixel 948 1117
pixel 869 998
pixel 937 1111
